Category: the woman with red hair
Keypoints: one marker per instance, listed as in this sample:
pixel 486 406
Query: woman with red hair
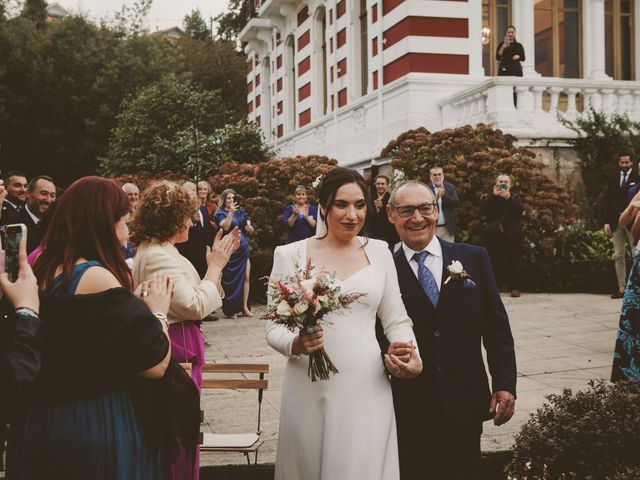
pixel 100 406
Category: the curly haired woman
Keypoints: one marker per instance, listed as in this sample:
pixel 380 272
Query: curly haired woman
pixel 162 220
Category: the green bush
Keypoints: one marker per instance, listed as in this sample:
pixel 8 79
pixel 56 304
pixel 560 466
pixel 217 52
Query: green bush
pixel 592 434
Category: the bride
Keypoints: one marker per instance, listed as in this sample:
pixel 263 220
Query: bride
pixel 344 427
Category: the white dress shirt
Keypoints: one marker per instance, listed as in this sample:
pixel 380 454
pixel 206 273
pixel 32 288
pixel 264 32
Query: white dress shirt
pixel 433 261
pixel 624 176
pixel 35 219
pixel 441 219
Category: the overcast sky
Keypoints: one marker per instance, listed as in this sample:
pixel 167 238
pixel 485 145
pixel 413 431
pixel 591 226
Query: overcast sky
pixel 164 13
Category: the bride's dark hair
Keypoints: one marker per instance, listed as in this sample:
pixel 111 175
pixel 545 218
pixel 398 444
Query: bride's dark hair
pixel 330 184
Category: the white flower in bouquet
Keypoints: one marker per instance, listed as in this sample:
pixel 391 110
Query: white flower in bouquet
pixel 308 285
pixel 283 309
pixel 300 307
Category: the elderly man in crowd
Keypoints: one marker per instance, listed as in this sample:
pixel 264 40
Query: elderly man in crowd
pixel 133 192
pixel 448 200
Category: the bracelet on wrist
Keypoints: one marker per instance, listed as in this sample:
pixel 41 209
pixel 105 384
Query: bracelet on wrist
pixel 163 319
pixel 26 312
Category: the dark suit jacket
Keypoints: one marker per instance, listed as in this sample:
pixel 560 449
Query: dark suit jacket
pixel 449 202
pixel 382 228
pixel 34 232
pixel 616 198
pixel 195 249
pixel 8 211
pixel 449 339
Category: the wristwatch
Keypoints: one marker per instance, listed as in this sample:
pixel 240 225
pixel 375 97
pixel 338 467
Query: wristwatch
pixel 163 319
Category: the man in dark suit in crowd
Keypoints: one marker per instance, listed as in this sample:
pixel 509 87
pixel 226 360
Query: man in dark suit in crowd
pixel 200 236
pixel 447 199
pixel 41 193
pixel 451 296
pixel 15 184
pixel 615 201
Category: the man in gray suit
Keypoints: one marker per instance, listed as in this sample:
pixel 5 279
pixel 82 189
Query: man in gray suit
pixel 447 199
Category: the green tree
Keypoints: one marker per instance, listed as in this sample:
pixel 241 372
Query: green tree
pixel 61 89
pixel 216 65
pixel 241 142
pixel 231 22
pixel 195 27
pixel 154 127
pixel 36 11
pixel 600 139
pixel 132 21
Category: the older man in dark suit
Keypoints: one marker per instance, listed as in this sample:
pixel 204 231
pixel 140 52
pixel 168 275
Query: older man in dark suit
pixel 451 296
pixel 448 200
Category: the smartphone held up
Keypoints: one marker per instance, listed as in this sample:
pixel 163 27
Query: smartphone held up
pixel 12 237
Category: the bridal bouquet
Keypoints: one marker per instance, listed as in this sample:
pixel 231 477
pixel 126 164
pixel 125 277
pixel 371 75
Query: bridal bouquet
pixel 302 301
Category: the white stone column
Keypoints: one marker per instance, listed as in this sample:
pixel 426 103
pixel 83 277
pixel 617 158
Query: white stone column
pixel 593 41
pixel 524 21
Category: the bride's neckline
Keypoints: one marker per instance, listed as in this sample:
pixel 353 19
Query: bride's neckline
pixel 306 259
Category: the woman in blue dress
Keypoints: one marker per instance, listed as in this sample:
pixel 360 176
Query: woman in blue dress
pixel 626 357
pixel 101 406
pixel 236 275
pixel 300 218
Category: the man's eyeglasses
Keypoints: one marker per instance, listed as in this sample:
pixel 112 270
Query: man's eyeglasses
pixel 406 211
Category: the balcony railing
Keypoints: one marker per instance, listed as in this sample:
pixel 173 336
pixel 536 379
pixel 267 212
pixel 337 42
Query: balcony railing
pixel 250 10
pixel 533 107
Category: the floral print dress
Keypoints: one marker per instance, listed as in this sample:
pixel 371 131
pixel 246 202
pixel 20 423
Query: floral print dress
pixel 626 358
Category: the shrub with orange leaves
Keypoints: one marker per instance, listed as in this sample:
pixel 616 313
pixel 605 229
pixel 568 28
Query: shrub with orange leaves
pixel 472 158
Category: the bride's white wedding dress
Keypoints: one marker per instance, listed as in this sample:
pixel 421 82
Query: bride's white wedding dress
pixel 343 428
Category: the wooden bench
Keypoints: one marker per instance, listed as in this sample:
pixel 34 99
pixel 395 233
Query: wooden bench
pixel 243 443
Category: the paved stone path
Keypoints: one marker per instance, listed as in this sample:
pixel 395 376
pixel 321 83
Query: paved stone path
pixel 562 341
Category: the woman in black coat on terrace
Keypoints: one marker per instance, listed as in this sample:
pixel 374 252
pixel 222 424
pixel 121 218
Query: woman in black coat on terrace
pixel 510 54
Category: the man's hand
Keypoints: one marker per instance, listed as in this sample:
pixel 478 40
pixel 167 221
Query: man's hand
pixel 440 192
pixel 503 404
pixel 401 350
pixel 607 229
pixel 515 58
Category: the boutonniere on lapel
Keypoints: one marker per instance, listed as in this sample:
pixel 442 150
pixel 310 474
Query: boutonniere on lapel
pixel 458 273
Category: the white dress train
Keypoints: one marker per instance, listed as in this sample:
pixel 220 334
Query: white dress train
pixel 343 428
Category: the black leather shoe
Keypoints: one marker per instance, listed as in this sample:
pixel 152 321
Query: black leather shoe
pixel 618 294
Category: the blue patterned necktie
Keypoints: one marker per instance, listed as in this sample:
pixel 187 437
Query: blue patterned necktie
pixel 426 278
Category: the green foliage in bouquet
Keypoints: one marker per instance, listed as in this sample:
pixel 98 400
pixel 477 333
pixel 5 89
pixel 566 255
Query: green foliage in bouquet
pixel 472 158
pixel 591 434
pixel 264 190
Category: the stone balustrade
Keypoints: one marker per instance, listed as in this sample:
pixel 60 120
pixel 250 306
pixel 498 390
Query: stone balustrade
pixel 540 104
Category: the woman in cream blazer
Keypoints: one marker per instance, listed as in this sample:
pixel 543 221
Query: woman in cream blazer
pixel 162 220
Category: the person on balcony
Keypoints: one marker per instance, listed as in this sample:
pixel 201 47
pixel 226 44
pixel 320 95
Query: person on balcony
pixel 510 54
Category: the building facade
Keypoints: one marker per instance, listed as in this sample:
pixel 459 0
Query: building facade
pixel 344 77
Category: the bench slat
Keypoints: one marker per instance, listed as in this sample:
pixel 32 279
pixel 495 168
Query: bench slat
pixel 236 368
pixel 234 383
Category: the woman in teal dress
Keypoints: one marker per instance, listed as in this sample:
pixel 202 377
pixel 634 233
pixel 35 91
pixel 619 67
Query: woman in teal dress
pixel 626 357
pixel 100 407
pixel 236 274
